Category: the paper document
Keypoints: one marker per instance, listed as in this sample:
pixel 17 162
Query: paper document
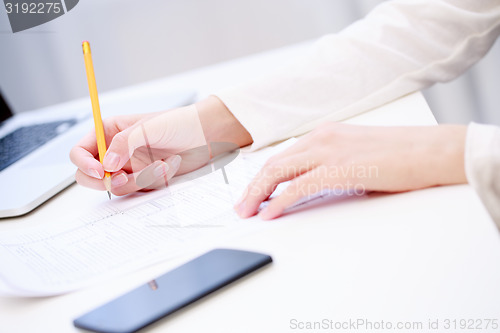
pixel 127 234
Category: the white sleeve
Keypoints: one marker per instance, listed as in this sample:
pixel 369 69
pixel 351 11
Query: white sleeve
pixel 402 46
pixel 482 165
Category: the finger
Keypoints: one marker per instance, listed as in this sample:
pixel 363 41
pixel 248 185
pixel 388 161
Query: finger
pixel 121 182
pixel 274 172
pixel 83 156
pixel 88 181
pixel 301 147
pixel 118 179
pixel 158 170
pixel 124 144
pixel 154 176
pixel 305 185
pixel 174 162
pixel 118 152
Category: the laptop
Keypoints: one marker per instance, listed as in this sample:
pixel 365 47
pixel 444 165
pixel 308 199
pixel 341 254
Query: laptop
pixel 35 145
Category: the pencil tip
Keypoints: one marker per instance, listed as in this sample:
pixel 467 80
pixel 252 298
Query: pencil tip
pixel 109 195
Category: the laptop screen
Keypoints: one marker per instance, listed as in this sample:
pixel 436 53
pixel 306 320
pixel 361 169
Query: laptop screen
pixel 5 111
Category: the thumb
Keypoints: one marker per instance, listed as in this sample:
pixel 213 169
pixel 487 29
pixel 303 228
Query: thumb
pixel 124 143
pixel 121 148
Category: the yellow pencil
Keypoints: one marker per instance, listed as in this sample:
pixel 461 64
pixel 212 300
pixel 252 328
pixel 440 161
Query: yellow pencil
pixel 96 110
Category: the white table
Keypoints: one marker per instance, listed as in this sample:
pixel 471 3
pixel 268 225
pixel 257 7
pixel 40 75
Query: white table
pixel 426 255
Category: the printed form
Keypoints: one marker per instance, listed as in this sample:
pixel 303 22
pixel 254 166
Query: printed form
pixel 115 239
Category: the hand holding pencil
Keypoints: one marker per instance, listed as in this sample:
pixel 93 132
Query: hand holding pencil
pixel 146 150
pixel 123 168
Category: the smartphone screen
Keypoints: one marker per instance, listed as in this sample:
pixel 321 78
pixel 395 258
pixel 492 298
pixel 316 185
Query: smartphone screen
pixel 172 291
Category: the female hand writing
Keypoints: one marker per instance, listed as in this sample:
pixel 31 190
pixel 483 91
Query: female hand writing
pixel 148 149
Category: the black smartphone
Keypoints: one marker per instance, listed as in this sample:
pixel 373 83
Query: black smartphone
pixel 172 291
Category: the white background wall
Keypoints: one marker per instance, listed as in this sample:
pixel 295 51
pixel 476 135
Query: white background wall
pixel 136 41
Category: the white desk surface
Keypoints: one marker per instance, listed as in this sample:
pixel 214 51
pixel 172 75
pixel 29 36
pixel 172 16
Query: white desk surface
pixel 426 255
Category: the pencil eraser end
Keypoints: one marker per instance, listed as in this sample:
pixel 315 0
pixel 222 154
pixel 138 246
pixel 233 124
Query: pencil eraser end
pixel 85 47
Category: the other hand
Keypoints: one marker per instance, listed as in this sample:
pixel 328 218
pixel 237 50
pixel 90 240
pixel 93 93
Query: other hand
pixel 358 158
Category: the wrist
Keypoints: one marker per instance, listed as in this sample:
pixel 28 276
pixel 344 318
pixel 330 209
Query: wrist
pixel 219 124
pixel 450 155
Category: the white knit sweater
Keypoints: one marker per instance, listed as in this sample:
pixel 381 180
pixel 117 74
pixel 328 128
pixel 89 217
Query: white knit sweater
pixel 402 46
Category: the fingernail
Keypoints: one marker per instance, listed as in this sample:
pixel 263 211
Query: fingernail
pixel 240 208
pixel 265 214
pixel 160 170
pixel 111 161
pixel 94 173
pixel 119 179
pixel 175 162
pixel 239 201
